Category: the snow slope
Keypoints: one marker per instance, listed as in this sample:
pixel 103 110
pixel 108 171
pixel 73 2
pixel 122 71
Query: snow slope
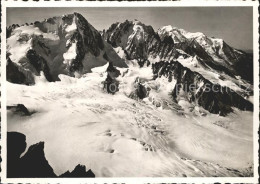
pixel 118 136
pixel 236 84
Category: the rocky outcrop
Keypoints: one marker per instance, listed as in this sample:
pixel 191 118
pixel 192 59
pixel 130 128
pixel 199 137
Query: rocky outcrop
pixel 112 71
pixel 139 92
pixel 111 84
pixel 39 64
pixel 19 109
pixel 28 67
pixel 33 163
pixel 196 89
pixel 78 172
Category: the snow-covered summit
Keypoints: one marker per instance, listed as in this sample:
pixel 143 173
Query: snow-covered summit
pixel 68 44
pixel 175 33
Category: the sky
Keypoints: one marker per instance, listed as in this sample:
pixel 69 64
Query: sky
pixel 233 24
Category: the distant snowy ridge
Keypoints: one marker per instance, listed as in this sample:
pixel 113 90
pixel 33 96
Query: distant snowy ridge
pixel 171 43
pixel 220 53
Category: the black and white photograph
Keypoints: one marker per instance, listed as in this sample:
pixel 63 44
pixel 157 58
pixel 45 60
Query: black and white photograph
pixel 129 91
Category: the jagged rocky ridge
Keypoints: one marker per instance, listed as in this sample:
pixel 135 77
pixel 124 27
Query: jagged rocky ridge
pixel 165 47
pixel 60 45
pixel 141 42
pixel 78 172
pixel 212 97
pixel 33 163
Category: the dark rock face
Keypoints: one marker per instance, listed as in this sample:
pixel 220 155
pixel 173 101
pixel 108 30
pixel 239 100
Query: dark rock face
pixel 39 64
pixel 33 164
pixel 92 39
pixel 244 67
pixel 15 147
pixel 212 97
pixel 142 44
pixel 17 74
pixel 78 172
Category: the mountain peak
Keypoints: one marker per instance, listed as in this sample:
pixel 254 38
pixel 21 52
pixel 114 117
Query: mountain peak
pixel 66 44
pixel 168 28
pixel 171 30
pixel 137 22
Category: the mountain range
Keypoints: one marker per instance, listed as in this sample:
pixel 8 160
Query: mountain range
pixel 70 45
